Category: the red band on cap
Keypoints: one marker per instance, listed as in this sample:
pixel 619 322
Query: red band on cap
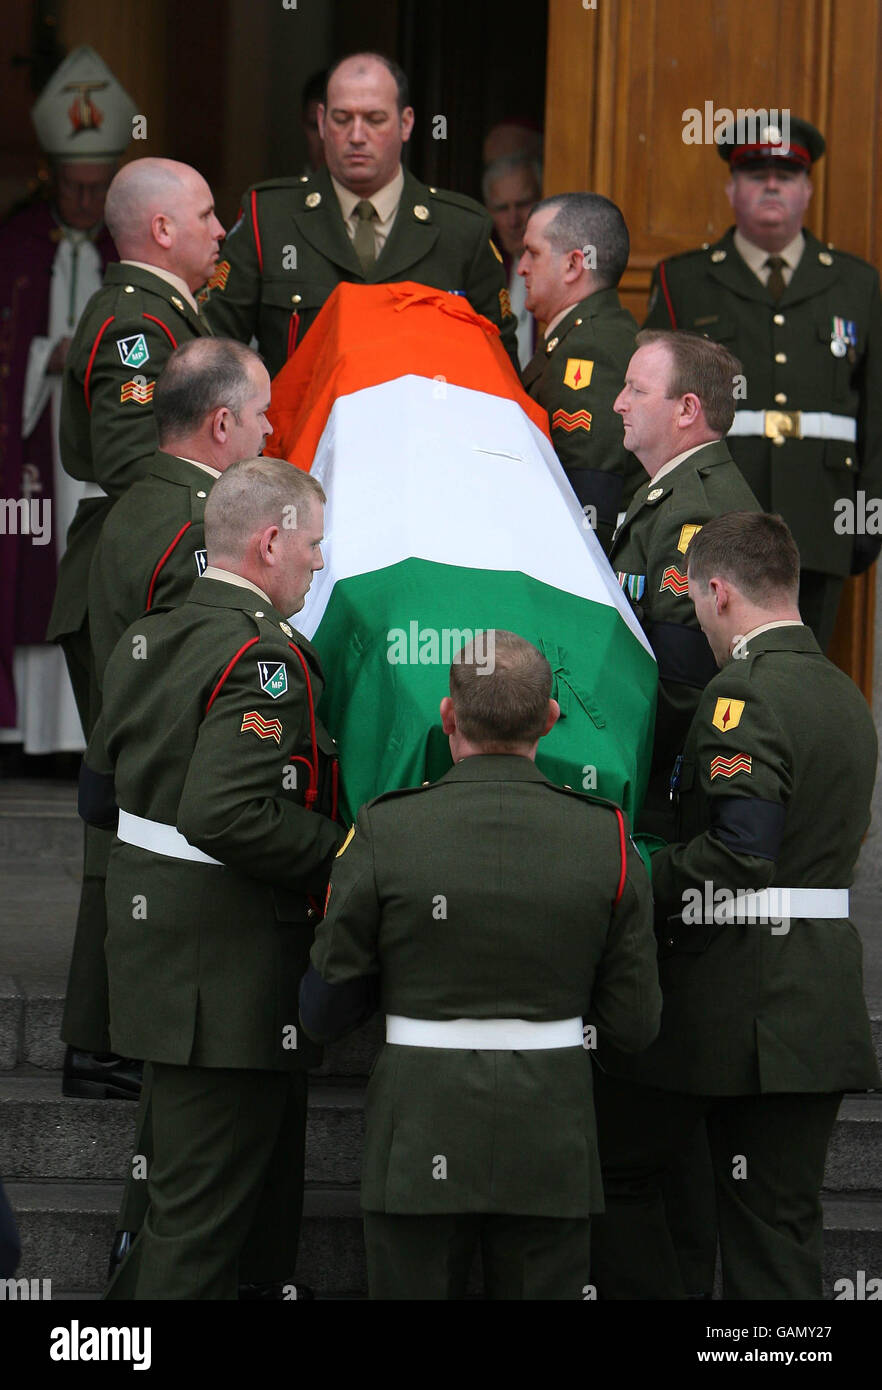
pixel 797 153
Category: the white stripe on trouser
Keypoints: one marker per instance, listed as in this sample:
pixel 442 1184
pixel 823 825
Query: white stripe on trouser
pixel 813 424
pixel 778 904
pixel 484 1034
pixel 159 838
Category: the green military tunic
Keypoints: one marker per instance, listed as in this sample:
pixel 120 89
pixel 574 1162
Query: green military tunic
pixel 774 790
pixel 108 435
pixel 797 753
pixel 475 898
pixel 818 349
pixel 186 991
pixel 648 553
pixel 207 721
pixel 575 375
pixel 290 249
pixel 150 550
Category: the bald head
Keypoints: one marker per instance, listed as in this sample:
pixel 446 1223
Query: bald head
pixel 161 212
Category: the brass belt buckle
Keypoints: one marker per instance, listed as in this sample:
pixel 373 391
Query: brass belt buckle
pixel 783 424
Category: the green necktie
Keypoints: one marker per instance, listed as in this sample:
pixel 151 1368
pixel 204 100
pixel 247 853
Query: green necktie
pixel 365 245
pixel 775 283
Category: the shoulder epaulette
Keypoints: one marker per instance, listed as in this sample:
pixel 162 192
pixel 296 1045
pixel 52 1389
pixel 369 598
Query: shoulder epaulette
pixel 459 200
pixel 291 181
pixel 839 255
pixel 591 797
pixel 400 791
pixel 694 252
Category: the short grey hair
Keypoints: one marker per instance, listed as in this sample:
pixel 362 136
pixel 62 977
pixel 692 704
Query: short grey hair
pixel 250 496
pixel 589 219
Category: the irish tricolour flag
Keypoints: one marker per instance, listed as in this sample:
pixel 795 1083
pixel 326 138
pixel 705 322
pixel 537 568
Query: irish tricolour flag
pixel 449 515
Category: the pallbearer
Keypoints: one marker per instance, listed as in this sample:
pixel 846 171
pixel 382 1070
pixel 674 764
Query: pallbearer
pixel 225 783
pixel 485 914
pixel 764 1022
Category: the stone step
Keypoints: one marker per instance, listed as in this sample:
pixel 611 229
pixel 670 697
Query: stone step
pixel 38 820
pixel 854 1157
pixel 67 1231
pixel 45 1136
pixel 852 1241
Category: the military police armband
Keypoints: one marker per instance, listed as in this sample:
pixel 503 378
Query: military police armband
pixel 748 825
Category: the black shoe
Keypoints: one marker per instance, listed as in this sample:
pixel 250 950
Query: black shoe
pixel 122 1244
pixel 297 1292
pixel 100 1076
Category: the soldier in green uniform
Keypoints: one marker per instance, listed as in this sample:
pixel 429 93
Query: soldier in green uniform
pixel 575 251
pixel 806 321
pixel 209 407
pixel 363 219
pixel 225 784
pixel 764 1022
pixel 162 218
pixel 486 914
pixel 676 404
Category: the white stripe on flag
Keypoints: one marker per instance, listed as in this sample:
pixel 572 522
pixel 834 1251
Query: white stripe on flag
pixel 416 468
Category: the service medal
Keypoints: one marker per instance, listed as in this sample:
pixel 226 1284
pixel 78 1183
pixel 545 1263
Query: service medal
pixel 843 335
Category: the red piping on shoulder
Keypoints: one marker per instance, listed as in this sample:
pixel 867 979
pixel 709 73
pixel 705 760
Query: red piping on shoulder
pixel 218 687
pixel 167 331
pixel 257 246
pixel 663 276
pixel 91 362
pixel 162 559
pixel 312 793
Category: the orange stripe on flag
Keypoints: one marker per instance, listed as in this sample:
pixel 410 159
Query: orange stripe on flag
pixel 368 334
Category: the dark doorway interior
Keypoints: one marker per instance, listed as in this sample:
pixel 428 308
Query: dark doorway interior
pixel 471 62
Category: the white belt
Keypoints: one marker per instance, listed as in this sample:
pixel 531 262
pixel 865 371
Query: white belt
pixel 813 424
pixel 780 904
pixel 159 838
pixel 484 1034
pixel 91 490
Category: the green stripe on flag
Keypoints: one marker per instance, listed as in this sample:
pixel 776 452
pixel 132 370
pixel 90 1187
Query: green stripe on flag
pixel 384 714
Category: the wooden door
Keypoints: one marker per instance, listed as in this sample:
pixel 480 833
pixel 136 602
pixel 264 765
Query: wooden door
pixel 619 79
